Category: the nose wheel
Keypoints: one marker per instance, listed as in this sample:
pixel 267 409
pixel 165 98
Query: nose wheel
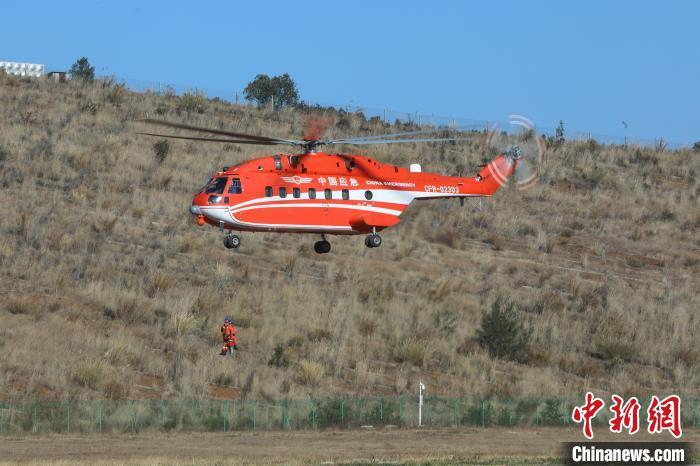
pixel 373 240
pixel 322 247
pixel 232 241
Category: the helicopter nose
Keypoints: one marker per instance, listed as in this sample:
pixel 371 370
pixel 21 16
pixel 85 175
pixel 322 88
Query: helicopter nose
pixel 195 210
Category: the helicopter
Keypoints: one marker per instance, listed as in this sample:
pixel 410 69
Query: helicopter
pixel 322 193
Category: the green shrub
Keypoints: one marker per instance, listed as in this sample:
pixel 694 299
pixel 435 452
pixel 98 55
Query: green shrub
pixel 331 413
pixel 615 351
pixel 552 414
pixel 280 357
pixel 161 149
pixel 91 375
pixel 502 333
pixel 193 102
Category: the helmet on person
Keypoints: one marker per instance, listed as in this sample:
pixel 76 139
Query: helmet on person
pixel 227 320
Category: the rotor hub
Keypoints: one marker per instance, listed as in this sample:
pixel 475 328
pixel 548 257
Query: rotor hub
pixel 513 154
pixel 310 145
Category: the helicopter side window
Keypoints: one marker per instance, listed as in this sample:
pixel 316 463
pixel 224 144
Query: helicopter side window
pixel 216 186
pixel 329 194
pixel 296 193
pixel 268 191
pixel 236 187
pixel 312 193
pixel 346 194
pixel 283 192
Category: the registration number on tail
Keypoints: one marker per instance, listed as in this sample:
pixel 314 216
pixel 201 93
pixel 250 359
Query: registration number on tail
pixel 442 189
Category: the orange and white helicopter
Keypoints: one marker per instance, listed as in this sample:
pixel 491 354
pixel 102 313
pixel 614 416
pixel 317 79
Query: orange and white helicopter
pixel 328 193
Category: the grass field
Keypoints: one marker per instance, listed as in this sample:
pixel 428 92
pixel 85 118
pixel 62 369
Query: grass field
pixel 392 446
pixel 109 290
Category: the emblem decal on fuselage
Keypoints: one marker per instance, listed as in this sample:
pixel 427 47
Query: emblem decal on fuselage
pixel 296 179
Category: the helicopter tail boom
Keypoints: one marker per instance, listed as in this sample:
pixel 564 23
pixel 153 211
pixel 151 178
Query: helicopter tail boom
pixel 494 175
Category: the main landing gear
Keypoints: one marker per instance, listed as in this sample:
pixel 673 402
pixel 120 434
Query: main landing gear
pixel 323 246
pixel 373 240
pixel 232 241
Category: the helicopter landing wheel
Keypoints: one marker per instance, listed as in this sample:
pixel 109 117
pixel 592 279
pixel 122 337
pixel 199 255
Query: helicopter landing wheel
pixel 322 247
pixel 373 240
pixel 232 241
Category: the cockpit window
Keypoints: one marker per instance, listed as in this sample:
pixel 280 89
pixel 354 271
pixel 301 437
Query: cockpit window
pixel 216 186
pixel 235 187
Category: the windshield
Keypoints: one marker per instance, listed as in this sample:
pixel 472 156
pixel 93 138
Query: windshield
pixel 215 186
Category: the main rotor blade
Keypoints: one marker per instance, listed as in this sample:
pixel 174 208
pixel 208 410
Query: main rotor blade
pixel 230 141
pixel 380 136
pixel 217 131
pixel 396 141
pixel 395 135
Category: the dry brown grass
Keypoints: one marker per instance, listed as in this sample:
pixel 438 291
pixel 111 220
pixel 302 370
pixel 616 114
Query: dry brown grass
pixel 105 280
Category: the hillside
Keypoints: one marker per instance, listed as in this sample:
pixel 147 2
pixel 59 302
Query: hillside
pixel 109 289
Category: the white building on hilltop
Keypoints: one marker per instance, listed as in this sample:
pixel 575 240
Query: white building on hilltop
pixel 22 69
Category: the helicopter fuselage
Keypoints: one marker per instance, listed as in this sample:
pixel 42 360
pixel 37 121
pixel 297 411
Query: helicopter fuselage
pixel 328 193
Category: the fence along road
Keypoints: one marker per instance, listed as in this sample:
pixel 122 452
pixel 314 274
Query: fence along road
pixel 105 416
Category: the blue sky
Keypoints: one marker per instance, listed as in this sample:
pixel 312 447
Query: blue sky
pixel 592 64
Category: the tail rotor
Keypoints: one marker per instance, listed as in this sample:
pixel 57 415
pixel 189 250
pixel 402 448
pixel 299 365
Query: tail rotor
pixel 523 148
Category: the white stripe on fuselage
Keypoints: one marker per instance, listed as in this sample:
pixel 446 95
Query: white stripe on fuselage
pixel 382 210
pixel 379 195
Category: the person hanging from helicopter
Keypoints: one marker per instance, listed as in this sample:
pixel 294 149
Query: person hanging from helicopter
pixel 228 333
